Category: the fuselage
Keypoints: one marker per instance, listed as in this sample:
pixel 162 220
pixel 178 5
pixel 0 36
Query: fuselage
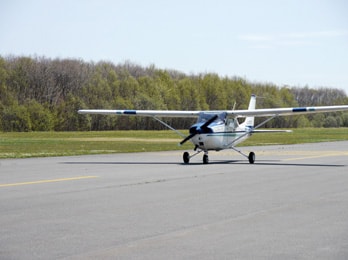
pixel 219 140
pixel 221 134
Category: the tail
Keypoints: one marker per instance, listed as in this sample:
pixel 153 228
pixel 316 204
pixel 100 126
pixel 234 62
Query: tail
pixel 249 121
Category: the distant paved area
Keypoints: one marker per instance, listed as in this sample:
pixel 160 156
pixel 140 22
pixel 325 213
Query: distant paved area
pixel 291 204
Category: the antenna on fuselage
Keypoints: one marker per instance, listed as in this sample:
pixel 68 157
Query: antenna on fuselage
pixel 234 105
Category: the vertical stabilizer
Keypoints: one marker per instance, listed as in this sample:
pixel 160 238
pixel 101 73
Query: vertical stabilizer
pixel 249 121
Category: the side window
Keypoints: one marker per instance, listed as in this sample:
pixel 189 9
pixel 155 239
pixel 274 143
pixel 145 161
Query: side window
pixel 232 123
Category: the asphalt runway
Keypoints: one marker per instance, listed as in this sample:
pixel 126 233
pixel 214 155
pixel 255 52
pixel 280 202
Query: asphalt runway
pixel 291 204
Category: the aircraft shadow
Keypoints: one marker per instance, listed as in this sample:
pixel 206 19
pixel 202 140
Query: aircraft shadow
pixel 122 163
pixel 280 163
pixel 235 162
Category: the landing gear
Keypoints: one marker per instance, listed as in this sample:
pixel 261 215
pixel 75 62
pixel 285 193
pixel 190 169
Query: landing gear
pixel 251 157
pixel 205 159
pixel 186 157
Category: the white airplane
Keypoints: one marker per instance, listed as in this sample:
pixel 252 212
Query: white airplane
pixel 219 130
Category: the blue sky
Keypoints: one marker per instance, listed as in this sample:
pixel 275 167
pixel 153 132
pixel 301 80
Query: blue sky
pixel 289 42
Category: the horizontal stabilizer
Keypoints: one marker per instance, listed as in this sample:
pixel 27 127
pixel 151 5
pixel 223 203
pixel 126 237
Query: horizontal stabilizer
pixel 272 131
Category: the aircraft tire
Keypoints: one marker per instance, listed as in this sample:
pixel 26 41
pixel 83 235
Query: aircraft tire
pixel 205 159
pixel 251 157
pixel 186 157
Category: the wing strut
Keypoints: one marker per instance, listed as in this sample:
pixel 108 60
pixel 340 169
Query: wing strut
pixel 264 122
pixel 168 126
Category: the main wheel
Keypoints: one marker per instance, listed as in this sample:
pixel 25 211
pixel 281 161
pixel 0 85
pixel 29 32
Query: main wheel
pixel 186 157
pixel 205 159
pixel 251 157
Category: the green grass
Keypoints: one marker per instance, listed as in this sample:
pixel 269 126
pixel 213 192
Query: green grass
pixel 43 144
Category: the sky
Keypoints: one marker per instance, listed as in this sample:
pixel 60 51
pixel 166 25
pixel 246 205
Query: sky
pixel 284 42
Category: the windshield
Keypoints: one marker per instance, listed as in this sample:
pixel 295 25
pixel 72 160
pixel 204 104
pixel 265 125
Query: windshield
pixel 205 116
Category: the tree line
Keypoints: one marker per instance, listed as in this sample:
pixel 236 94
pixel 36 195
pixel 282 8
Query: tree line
pixel 43 94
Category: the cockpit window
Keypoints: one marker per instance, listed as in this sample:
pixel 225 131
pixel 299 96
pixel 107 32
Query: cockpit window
pixel 205 116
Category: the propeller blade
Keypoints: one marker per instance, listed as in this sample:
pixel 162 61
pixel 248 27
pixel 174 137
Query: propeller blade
pixel 211 120
pixel 205 125
pixel 187 138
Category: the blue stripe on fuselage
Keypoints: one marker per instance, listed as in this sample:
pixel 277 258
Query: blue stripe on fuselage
pixel 226 133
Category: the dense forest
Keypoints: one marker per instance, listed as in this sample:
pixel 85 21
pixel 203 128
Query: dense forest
pixel 42 94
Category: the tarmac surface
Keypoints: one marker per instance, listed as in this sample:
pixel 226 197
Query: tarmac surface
pixel 291 204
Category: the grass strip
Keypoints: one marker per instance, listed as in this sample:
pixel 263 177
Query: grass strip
pixel 44 144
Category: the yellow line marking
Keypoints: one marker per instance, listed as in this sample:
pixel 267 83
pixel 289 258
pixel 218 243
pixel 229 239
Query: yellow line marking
pixel 47 181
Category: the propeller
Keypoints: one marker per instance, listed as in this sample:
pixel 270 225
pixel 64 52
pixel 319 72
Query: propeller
pixel 197 130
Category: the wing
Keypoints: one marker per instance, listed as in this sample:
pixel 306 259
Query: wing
pixel 234 113
pixel 149 113
pixel 286 111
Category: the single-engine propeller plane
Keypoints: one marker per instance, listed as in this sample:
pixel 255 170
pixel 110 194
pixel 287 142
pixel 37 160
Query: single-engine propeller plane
pixel 219 130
